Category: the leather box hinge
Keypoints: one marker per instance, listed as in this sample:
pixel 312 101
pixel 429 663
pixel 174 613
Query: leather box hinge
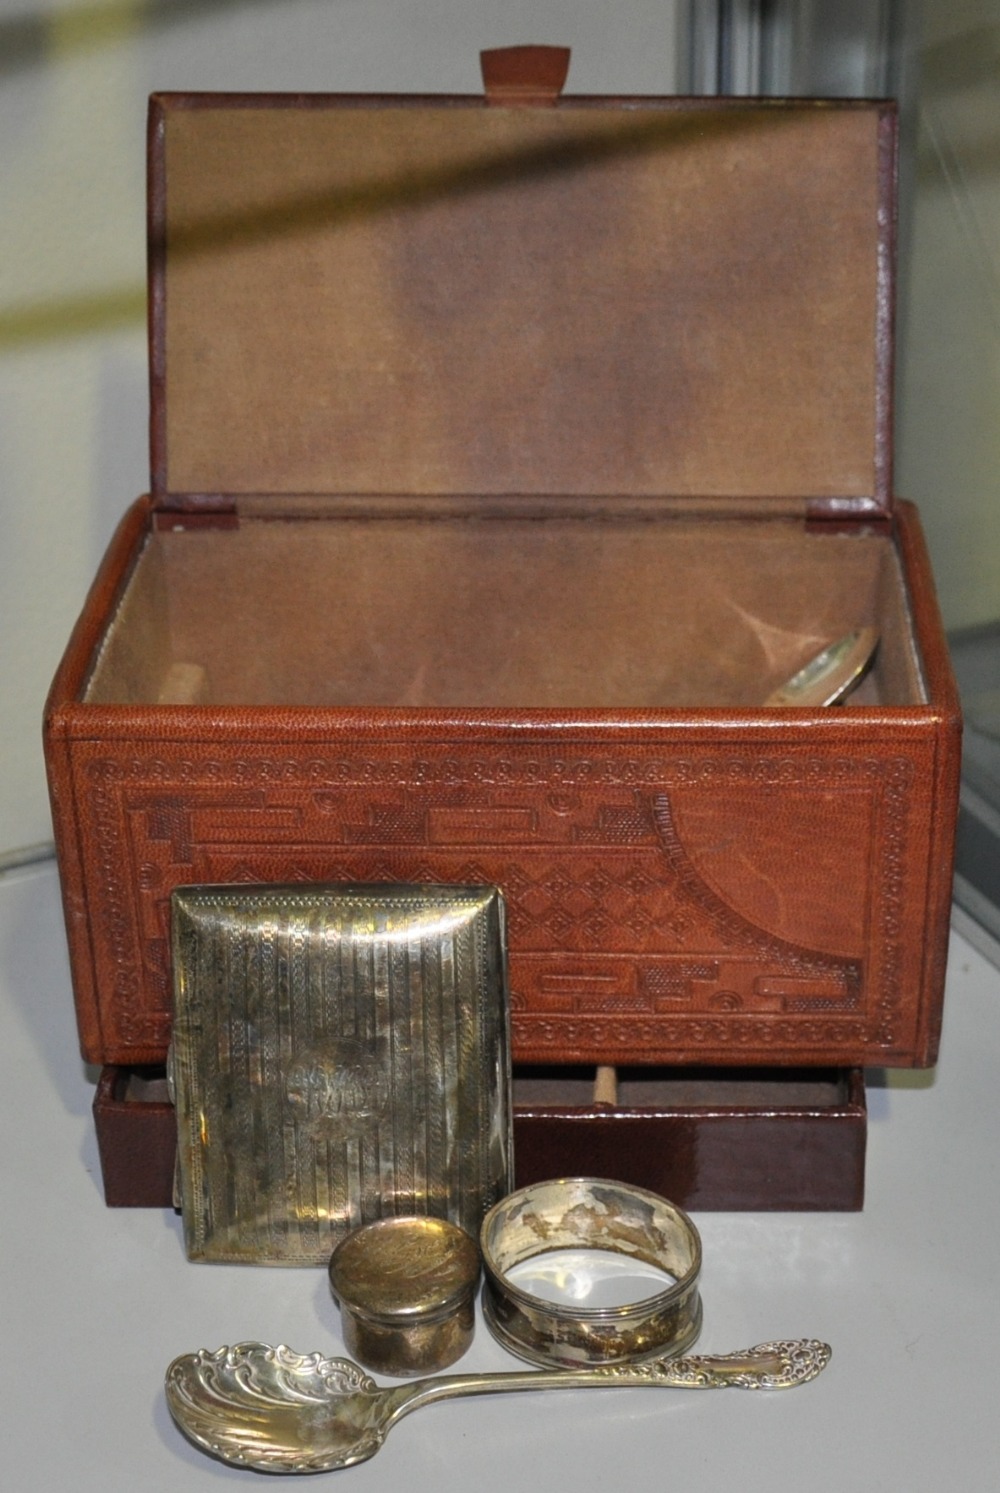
pixel 828 514
pixel 215 512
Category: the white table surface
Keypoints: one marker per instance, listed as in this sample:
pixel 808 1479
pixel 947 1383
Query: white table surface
pixel 96 1302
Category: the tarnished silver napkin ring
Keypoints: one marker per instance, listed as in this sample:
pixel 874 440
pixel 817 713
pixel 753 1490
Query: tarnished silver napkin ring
pixel 591 1214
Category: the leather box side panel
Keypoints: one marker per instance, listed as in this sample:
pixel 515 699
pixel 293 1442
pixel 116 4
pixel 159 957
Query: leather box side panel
pixel 65 721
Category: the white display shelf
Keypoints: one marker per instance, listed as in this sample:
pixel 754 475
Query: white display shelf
pixel 96 1302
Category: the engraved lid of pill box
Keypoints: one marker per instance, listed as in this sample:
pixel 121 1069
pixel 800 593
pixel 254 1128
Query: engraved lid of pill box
pixel 405 1269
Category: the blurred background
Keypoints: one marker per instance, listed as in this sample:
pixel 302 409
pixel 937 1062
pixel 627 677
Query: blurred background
pixel 74 78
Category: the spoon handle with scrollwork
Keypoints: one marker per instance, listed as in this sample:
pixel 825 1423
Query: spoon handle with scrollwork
pixel 775 1365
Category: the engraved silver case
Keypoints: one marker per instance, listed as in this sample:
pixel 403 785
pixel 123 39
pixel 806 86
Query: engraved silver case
pixel 340 1054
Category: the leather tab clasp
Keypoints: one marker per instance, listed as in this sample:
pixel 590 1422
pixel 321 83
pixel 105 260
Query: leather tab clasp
pixel 524 75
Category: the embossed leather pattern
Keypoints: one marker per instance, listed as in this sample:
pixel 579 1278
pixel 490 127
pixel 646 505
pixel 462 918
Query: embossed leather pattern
pixel 672 903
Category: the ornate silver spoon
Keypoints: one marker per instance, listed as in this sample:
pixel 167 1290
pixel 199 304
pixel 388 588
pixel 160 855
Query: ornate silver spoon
pixel 831 675
pixel 278 1411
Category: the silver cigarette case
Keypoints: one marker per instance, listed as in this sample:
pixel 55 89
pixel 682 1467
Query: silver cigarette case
pixel 340 1054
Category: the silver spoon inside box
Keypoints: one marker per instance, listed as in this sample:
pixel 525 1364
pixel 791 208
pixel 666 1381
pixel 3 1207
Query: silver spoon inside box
pixel 830 676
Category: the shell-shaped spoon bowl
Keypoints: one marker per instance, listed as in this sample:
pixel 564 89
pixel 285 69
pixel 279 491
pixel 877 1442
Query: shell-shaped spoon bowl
pixel 270 1408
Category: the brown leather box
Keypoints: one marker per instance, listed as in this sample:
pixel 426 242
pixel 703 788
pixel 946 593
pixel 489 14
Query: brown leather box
pixel 505 455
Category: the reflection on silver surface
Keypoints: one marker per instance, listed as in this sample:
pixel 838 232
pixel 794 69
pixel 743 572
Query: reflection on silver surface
pixel 591 1277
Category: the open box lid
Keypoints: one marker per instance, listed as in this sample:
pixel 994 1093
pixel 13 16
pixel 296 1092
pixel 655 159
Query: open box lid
pixel 638 297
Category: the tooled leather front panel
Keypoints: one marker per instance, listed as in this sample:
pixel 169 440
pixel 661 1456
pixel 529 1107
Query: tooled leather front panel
pixel 686 900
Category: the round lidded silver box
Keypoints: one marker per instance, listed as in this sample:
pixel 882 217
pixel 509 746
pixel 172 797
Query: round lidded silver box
pixel 589 1214
pixel 406 1288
